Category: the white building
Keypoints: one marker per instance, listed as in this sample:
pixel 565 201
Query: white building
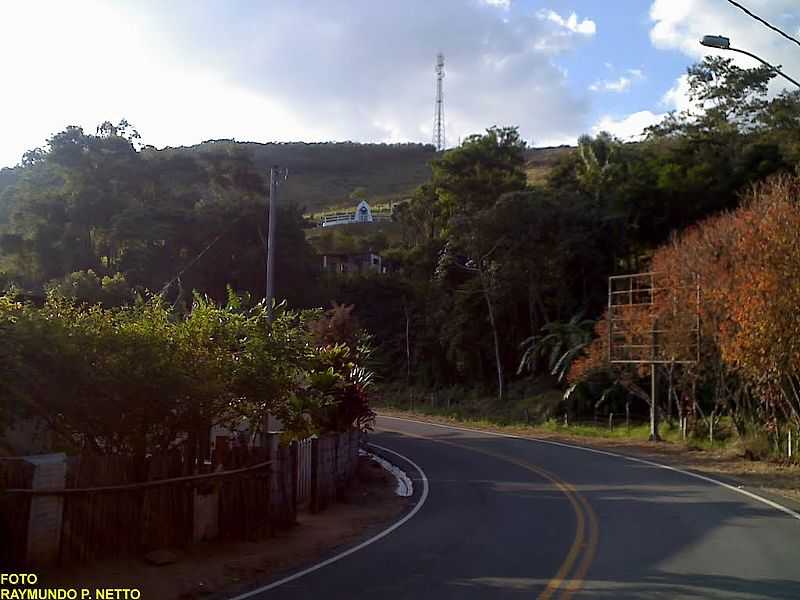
pixel 362 214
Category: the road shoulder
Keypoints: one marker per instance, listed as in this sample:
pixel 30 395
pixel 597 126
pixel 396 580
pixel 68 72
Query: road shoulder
pixel 221 570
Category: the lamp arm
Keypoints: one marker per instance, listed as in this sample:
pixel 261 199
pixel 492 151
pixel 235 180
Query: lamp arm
pixel 765 63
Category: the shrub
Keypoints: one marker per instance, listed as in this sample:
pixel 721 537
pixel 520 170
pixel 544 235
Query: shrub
pixel 133 379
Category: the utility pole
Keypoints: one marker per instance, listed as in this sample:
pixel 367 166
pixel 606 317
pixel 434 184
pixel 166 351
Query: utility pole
pixel 276 177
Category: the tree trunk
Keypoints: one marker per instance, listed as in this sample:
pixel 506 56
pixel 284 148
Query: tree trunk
pixel 531 310
pixel 493 325
pixel 408 347
pixel 669 393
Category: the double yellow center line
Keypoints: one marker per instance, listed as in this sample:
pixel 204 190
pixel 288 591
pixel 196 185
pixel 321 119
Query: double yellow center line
pixel 570 576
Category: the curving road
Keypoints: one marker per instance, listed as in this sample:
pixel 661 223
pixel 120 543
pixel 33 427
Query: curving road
pixel 513 518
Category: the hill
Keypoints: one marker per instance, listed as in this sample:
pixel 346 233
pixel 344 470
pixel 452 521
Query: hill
pixel 539 161
pixel 323 175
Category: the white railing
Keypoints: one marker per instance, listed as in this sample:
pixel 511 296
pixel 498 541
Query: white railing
pixel 344 218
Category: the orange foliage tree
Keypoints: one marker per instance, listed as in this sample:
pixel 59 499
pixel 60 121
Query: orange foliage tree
pixel 748 265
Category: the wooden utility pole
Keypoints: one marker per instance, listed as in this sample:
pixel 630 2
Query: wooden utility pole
pixel 276 175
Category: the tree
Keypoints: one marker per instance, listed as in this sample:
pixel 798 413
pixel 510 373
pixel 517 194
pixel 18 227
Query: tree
pixel 468 181
pixel 597 168
pixel 473 176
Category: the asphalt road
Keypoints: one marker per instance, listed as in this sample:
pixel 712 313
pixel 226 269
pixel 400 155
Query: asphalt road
pixel 512 518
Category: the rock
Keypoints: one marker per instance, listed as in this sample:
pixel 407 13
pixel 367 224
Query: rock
pixel 161 557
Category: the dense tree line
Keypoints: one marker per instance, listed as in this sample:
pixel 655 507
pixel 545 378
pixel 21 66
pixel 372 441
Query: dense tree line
pixel 498 277
pixel 93 207
pixel 494 278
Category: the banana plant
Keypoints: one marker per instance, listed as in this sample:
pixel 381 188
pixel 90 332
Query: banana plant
pixel 558 344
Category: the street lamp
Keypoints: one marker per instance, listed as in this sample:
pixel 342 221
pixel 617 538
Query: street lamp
pixel 719 42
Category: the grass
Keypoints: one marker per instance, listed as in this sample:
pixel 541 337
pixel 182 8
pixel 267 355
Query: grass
pixel 752 461
pixel 531 412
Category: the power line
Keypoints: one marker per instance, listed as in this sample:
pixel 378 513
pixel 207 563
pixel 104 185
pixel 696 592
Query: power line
pixel 199 256
pixel 757 18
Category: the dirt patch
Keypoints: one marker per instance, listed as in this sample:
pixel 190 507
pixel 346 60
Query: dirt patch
pixel 730 462
pixel 211 569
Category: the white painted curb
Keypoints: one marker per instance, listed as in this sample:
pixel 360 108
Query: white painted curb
pixel 364 544
pixel 405 487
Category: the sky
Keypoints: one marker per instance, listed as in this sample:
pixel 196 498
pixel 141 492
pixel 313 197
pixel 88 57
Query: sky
pixel 185 71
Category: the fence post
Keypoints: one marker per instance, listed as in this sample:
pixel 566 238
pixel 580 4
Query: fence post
pixel 337 462
pixel 273 485
pixel 355 436
pixel 314 492
pixel 46 512
pixel 294 453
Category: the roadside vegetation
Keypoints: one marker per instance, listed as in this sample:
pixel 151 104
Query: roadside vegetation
pixel 520 416
pixel 142 378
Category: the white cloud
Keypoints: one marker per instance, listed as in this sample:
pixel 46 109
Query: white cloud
pixel 571 23
pixel 504 4
pixel 680 24
pixel 184 71
pixel 630 127
pixel 677 97
pixel 619 85
pixel 616 85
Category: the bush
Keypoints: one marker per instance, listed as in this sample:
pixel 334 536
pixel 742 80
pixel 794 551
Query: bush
pixel 757 446
pixel 133 379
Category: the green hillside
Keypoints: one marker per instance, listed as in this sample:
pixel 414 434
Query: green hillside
pixel 539 161
pixel 322 176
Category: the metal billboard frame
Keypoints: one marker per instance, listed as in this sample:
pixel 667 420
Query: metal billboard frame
pixel 640 293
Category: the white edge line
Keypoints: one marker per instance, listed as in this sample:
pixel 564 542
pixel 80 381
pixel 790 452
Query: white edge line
pixel 363 544
pixel 643 461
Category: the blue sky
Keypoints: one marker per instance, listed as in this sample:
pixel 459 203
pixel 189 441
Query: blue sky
pixel 315 70
pixel 622 43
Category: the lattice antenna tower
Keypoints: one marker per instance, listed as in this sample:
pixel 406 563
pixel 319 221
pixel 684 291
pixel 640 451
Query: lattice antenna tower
pixel 438 120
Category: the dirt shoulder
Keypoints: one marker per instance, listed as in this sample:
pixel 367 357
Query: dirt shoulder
pixel 775 479
pixel 217 570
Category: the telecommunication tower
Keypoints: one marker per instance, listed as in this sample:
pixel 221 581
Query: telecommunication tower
pixel 438 120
